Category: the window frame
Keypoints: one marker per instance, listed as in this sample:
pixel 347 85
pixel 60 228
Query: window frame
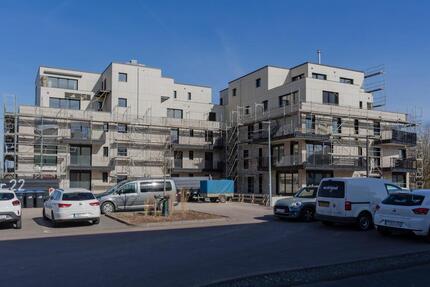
pixel 122 77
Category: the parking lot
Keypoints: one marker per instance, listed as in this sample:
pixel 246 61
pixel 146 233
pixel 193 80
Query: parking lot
pixel 249 242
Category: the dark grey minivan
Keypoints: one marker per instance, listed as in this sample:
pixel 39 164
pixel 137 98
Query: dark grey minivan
pixel 135 194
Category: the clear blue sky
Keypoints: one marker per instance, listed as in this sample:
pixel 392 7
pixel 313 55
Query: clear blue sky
pixel 212 42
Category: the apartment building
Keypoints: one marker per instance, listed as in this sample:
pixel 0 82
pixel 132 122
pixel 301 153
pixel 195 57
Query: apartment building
pixel 93 130
pixel 323 123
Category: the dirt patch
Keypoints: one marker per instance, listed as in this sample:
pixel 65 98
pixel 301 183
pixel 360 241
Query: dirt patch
pixel 137 218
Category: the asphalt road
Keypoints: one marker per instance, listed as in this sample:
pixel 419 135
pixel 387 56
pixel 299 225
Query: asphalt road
pixel 189 257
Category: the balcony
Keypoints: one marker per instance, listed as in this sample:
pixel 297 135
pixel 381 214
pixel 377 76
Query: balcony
pixel 321 161
pixel 85 138
pixel 397 137
pixel 279 132
pixel 401 164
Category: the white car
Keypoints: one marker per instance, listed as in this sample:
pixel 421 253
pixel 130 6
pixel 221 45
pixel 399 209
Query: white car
pixel 10 208
pixel 351 200
pixel 72 204
pixel 405 211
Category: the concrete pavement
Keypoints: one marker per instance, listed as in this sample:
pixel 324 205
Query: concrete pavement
pixel 192 256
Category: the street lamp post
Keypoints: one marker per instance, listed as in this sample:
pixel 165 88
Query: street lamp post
pixel 270 163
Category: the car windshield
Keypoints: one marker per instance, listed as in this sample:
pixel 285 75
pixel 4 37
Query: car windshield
pixel 77 196
pixel 6 195
pixel 307 192
pixel 404 199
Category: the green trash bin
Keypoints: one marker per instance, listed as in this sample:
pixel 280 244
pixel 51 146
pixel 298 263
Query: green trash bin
pixel 29 199
pixel 39 197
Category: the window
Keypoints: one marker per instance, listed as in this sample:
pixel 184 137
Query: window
pixel 122 151
pixel 105 177
pixel 298 77
pixel 80 130
pixel 369 106
pixel 319 76
pixel 220 101
pixel 260 183
pixel 78 196
pixel 128 188
pixel 191 155
pixel 175 94
pixel 377 128
pixel 258 82
pixel 174 113
pixel 283 101
pixel 189 96
pixel 174 135
pixel 361 104
pixel 62 83
pixel 209 135
pixel 404 199
pixel 60 103
pixel 105 127
pixel 105 151
pixel 122 102
pixel 245 159
pixel 250 184
pixel 330 98
pixel 247 108
pixel 122 128
pixel 310 123
pixel 191 132
pixel 234 92
pixel 337 125
pixel 347 81
pixel 155 186
pixel 212 116
pixel 122 77
pixel 265 105
pixel 46 160
pixel 356 126
pixel 250 131
pixel 98 106
pixel 332 189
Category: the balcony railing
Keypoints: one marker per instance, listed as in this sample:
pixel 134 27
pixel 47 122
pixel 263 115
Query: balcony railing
pixel 321 160
pixel 80 160
pixel 396 136
pixel 402 164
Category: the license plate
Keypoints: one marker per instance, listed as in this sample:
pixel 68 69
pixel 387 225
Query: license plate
pixel 4 216
pixel 393 223
pixel 279 210
pixel 323 203
pixel 79 215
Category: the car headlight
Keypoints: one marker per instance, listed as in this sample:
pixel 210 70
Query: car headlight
pixel 296 204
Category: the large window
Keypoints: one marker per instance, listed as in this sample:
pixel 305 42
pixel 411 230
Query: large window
pixel 330 98
pixel 122 151
pixel 212 116
pixel 46 160
pixel 319 76
pixel 310 123
pixel 62 83
pixel 122 102
pixel 174 113
pixel 122 128
pixel 60 103
pixel 80 155
pixel 287 183
pixel 174 135
pixel 347 81
pixel 80 130
pixel 289 99
pixel 122 77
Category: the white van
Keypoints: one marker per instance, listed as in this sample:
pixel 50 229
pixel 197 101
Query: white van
pixel 351 200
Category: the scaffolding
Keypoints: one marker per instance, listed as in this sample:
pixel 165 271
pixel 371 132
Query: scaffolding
pixel 37 141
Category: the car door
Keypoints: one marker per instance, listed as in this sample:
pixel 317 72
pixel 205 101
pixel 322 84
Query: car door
pixel 331 198
pixel 127 195
pixel 50 202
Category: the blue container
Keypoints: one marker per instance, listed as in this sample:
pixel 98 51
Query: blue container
pixel 221 186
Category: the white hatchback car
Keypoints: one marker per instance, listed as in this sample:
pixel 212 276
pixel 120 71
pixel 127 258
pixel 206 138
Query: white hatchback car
pixel 72 204
pixel 405 211
pixel 10 208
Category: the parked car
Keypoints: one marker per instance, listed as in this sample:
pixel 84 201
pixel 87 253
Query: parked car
pixel 351 200
pixel 301 206
pixel 135 194
pixel 10 208
pixel 405 212
pixel 72 204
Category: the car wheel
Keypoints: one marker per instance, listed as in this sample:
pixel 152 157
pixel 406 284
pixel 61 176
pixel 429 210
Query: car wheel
pixel 18 224
pixel 96 221
pixel 383 231
pixel 364 221
pixel 44 214
pixel 308 214
pixel 222 199
pixel 107 207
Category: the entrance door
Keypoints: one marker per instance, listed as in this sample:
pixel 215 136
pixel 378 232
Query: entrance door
pixel 80 179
